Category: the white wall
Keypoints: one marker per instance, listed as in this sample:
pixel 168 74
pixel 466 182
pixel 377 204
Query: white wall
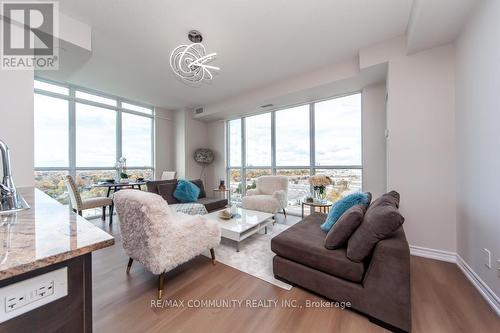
pixel 16 122
pixel 374 151
pixel 196 137
pixel 421 145
pixel 190 134
pixel 164 141
pixel 180 143
pixel 478 141
pixel 216 142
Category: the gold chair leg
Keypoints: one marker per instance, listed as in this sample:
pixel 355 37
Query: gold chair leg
pixel 161 281
pixel 212 253
pixel 130 261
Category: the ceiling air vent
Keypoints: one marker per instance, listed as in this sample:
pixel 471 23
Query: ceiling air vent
pixel 198 111
pixel 266 105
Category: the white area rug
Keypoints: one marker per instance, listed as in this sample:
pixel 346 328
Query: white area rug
pixel 255 256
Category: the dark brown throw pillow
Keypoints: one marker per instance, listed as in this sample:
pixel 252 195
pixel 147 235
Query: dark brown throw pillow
pixel 346 225
pixel 381 219
pixel 199 183
pixel 167 192
pixel 390 198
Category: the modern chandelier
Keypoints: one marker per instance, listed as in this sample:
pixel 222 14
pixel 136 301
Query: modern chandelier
pixel 189 62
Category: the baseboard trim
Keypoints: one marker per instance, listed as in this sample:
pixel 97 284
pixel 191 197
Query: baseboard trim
pixel 433 254
pixel 491 298
pixel 488 294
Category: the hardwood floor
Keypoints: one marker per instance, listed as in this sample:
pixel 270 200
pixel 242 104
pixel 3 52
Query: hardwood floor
pixel 443 300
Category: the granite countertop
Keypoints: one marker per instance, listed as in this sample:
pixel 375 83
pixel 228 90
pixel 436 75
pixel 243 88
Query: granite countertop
pixel 45 234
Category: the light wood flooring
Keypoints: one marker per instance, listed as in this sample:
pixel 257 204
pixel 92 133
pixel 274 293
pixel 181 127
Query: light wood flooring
pixel 443 300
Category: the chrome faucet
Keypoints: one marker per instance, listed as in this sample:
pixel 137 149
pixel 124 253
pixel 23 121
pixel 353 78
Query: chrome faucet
pixel 7 186
pixel 10 200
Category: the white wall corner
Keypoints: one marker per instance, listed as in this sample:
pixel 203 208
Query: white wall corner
pixel 382 52
pixel 491 298
pixel 425 252
pixel 485 291
pixel 416 9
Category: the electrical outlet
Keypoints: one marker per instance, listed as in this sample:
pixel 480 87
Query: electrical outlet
pixel 487 258
pixel 14 302
pixel 26 295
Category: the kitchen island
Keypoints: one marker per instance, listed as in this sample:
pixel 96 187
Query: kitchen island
pixel 46 267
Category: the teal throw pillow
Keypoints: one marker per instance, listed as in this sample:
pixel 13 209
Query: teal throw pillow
pixel 186 191
pixel 341 206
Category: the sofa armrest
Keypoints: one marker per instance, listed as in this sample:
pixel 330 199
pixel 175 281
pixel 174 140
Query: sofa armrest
pixel 252 191
pixel 387 281
pixel 282 197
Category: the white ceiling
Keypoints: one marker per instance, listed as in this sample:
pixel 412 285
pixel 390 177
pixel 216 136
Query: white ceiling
pixel 437 22
pixel 258 42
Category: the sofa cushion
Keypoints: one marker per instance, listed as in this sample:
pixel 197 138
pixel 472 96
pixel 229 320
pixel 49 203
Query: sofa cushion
pixel 339 234
pixel 186 191
pixel 212 204
pixel 199 183
pixel 341 206
pixel 303 243
pixel 380 221
pixel 167 192
pixel 152 185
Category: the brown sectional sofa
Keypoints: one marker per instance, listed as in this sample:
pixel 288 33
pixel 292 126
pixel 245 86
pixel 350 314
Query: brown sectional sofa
pixel 166 189
pixel 379 286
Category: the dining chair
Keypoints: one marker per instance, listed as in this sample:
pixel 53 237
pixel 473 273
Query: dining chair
pixel 79 205
pixel 167 175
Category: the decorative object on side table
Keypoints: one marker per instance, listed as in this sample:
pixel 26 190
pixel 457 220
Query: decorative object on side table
pixel 319 183
pixel 222 185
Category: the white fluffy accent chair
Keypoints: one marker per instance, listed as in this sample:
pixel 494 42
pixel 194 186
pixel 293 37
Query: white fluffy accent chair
pixel 270 196
pixel 159 238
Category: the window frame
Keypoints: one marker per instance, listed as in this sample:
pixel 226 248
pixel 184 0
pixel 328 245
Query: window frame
pixel 72 101
pixel 312 151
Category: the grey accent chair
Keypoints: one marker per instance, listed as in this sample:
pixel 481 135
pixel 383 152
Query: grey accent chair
pixel 160 238
pixel 79 205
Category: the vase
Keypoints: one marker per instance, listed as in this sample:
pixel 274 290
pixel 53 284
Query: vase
pixel 320 192
pixel 118 176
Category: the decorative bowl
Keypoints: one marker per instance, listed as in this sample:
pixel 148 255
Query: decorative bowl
pixel 225 215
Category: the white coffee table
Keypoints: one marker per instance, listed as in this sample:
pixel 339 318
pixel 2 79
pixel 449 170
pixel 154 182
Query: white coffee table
pixel 239 228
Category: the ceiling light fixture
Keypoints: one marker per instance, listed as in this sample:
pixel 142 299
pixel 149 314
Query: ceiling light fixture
pixel 189 62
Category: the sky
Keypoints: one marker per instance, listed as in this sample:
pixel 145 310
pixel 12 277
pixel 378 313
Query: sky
pixel 337 135
pixel 95 135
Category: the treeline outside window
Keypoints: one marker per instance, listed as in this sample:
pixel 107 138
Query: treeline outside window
pixel 320 137
pixel 83 133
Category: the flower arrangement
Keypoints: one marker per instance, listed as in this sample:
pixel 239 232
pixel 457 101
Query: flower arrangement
pixel 319 183
pixel 121 168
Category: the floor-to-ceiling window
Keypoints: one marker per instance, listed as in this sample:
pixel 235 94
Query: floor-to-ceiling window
pixel 83 133
pixel 297 142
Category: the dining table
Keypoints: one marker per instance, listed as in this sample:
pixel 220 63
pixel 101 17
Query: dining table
pixel 116 186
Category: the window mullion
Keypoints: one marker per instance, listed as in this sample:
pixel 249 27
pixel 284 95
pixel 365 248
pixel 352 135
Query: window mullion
pixel 119 132
pixel 243 157
pixel 312 142
pixel 72 132
pixel 273 142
